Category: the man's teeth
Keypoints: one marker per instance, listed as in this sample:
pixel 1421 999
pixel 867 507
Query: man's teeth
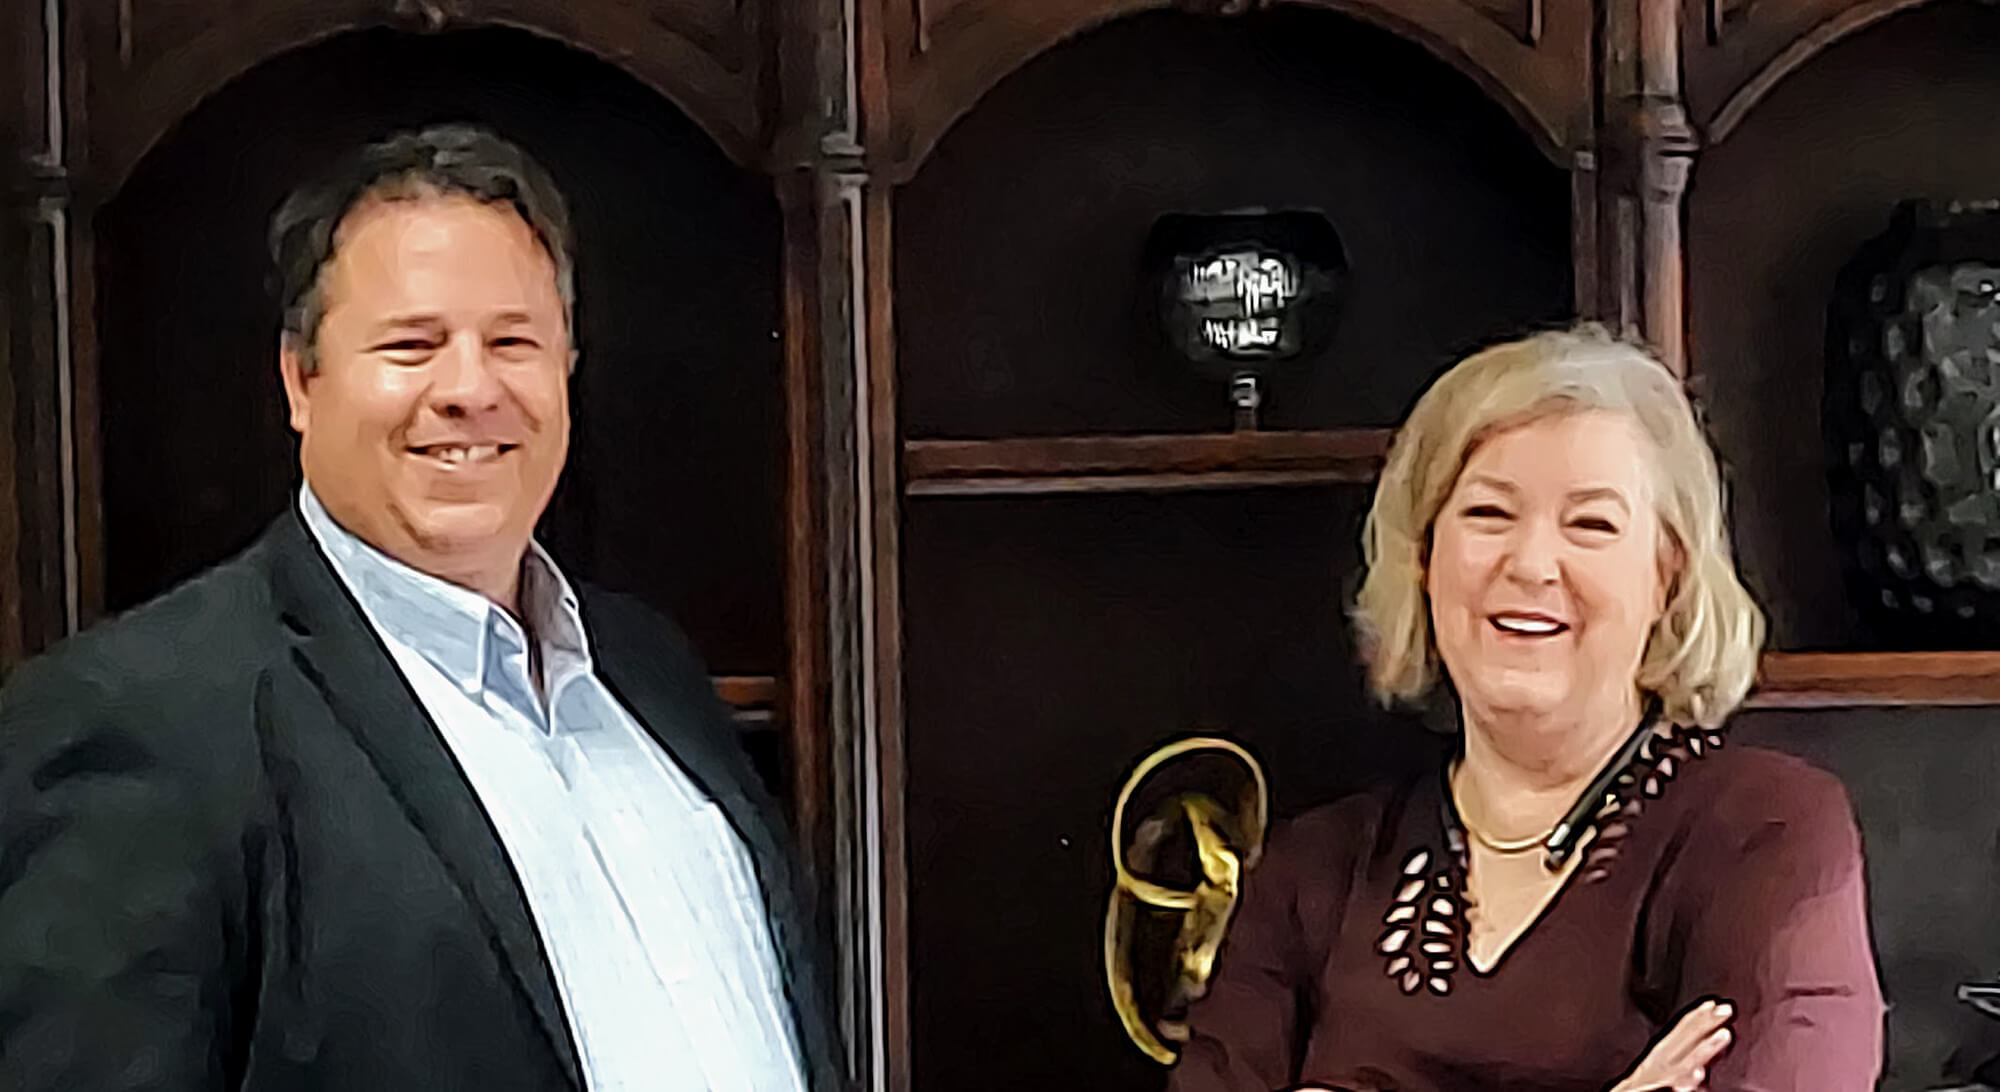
pixel 458 454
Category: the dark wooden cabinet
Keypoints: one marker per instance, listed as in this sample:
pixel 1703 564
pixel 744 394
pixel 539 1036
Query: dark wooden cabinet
pixel 867 398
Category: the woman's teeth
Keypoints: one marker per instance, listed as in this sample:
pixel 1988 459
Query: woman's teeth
pixel 1534 627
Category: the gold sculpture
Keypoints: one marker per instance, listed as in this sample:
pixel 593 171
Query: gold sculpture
pixel 1227 842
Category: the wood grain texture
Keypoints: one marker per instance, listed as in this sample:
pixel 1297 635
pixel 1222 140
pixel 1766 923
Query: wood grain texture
pixel 1800 680
pixel 1737 51
pixel 152 64
pixel 747 691
pixel 1521 18
pixel 1723 15
pixel 886 516
pixel 942 55
pixel 1064 464
pixel 805 697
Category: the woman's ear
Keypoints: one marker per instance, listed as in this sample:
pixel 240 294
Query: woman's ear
pixel 1673 567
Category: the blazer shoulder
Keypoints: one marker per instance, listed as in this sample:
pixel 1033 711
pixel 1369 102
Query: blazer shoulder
pixel 159 664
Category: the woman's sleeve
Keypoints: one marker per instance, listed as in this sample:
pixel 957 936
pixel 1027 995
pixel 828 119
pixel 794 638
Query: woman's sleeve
pixel 1772 916
pixel 1244 1035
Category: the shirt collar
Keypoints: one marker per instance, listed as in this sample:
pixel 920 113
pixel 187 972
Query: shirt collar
pixel 459 631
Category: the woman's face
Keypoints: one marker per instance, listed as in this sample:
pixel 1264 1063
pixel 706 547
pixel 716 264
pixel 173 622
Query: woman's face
pixel 1547 568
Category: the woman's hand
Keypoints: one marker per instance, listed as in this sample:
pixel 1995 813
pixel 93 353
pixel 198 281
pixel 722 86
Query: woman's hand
pixel 1680 1059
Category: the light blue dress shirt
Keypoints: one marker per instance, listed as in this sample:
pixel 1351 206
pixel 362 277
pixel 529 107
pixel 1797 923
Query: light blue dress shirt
pixel 644 896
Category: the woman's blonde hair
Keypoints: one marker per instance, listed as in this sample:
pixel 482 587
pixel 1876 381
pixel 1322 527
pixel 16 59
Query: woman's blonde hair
pixel 1701 657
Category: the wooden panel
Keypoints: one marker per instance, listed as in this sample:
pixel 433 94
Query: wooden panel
pixel 1521 18
pixel 744 692
pixel 21 136
pixel 1803 680
pixel 151 61
pixel 943 55
pixel 22 86
pixel 718 27
pixel 1736 51
pixel 1723 15
pixel 1077 464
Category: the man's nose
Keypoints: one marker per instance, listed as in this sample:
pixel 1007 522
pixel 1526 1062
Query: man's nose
pixel 464 377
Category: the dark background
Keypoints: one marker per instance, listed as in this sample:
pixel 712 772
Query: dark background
pixel 673 488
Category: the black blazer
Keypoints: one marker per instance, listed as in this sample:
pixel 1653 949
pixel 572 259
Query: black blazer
pixel 235 853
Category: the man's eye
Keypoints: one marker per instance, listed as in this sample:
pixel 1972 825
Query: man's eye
pixel 407 345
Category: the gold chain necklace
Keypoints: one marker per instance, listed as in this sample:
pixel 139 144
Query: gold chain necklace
pixel 1506 847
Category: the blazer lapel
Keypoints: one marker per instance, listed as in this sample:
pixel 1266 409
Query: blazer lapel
pixel 340 654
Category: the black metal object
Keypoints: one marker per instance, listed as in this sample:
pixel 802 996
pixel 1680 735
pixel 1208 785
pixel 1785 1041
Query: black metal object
pixel 1984 996
pixel 1244 293
pixel 1912 423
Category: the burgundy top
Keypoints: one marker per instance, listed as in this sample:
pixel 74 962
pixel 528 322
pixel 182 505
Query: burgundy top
pixel 1727 872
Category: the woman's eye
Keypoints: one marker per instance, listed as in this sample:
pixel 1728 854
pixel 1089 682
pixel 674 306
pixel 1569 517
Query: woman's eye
pixel 1595 523
pixel 1486 511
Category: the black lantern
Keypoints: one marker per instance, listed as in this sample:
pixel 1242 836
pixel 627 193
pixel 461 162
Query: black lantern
pixel 1913 424
pixel 1244 293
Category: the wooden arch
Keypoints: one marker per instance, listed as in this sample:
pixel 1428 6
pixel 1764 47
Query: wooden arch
pixel 144 78
pixel 944 55
pixel 1784 45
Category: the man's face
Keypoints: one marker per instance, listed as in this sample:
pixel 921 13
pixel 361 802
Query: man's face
pixel 438 419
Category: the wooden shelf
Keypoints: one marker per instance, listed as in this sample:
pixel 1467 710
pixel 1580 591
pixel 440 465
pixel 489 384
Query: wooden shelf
pixel 1818 680
pixel 752 699
pixel 1148 463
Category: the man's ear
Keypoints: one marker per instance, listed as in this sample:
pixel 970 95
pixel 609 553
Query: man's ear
pixel 291 371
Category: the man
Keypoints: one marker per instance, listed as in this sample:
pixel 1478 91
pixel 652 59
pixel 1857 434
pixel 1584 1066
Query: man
pixel 382 803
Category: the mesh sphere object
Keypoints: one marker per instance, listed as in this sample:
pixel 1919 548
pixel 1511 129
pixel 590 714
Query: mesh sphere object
pixel 1912 419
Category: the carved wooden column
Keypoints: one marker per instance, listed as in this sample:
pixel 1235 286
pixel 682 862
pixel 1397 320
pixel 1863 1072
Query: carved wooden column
pixel 859 494
pixel 1666 146
pixel 38 577
pixel 1648 146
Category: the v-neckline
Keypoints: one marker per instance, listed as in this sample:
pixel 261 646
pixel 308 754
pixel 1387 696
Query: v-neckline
pixel 1533 920
pixel 1461 850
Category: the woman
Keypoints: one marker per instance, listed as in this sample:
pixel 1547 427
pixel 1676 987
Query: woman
pixel 1596 893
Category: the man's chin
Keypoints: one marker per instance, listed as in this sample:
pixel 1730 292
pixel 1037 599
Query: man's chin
pixel 462 528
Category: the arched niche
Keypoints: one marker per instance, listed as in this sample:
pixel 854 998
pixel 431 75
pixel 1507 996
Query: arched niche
pixel 1020 302
pixel 1737 52
pixel 146 65
pixel 1530 56
pixel 1903 109
pixel 673 486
